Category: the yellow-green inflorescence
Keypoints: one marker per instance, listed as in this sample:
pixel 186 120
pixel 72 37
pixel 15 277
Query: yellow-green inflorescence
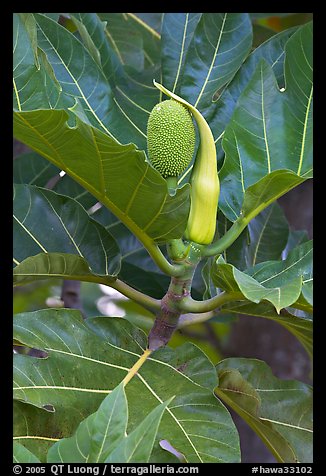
pixel 170 138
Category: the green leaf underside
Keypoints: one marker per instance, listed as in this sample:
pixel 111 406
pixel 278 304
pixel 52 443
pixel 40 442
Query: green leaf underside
pixel 45 222
pixel 57 265
pixel 118 176
pixel 230 279
pixel 69 187
pixel 270 133
pixel 280 412
pixel 32 169
pixel 137 268
pixel 89 358
pixel 279 282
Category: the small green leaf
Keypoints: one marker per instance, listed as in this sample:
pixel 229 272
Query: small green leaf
pixel 97 435
pixel 137 446
pixel 23 455
pixel 230 279
pixel 280 412
pixel 109 425
pixel 56 265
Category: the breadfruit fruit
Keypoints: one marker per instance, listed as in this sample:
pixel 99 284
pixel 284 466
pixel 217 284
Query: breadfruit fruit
pixel 170 138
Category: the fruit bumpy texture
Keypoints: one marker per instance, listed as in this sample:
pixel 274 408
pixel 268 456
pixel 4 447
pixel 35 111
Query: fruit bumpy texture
pixel 170 138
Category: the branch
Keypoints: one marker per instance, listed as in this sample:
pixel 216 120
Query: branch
pixel 194 318
pixel 192 306
pixel 159 258
pixel 147 302
pixel 230 236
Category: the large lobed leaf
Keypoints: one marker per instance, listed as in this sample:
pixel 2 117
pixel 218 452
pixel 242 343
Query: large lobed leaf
pixel 218 46
pixel 177 32
pixel 60 82
pixel 268 142
pixel 279 411
pixel 83 79
pixel 273 52
pixel 35 84
pixel 137 268
pixel 133 92
pixel 117 175
pixel 87 359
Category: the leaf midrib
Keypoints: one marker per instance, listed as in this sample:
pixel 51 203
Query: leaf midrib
pixel 146 240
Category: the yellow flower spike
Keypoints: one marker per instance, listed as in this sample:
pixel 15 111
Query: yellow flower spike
pixel 205 184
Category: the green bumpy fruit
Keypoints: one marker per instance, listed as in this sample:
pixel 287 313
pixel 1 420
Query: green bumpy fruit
pixel 170 138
